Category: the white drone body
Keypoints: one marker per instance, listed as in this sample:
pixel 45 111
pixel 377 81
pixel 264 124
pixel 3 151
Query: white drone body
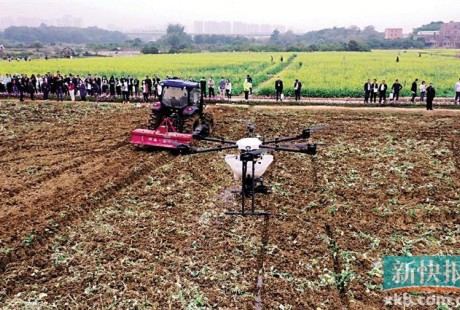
pixel 261 164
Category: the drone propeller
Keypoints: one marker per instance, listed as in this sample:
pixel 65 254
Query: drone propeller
pixel 305 145
pixel 307 131
pixel 316 128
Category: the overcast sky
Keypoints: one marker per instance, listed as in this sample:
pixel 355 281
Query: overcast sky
pixel 298 15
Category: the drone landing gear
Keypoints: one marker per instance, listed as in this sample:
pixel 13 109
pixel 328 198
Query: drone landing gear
pixel 250 186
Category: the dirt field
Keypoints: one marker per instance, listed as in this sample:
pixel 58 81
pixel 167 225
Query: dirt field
pixel 88 221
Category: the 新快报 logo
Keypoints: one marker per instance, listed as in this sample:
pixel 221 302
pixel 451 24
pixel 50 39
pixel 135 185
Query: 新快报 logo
pixel 421 273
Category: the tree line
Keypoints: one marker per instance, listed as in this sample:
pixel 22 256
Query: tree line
pixel 176 40
pixel 72 35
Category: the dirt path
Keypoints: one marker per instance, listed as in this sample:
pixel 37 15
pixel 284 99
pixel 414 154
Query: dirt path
pixel 438 111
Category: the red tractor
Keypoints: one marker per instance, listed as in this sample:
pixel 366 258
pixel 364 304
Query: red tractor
pixel 174 119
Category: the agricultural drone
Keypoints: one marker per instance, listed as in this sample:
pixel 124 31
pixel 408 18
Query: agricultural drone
pixel 253 160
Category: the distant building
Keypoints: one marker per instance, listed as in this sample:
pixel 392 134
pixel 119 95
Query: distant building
pixel 240 28
pixel 428 36
pixel 449 35
pixel 235 28
pixel 393 33
pixel 198 27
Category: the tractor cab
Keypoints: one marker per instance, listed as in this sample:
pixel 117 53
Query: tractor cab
pixel 178 94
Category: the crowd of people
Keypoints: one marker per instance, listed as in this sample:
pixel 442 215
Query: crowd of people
pixel 224 86
pixel 129 88
pixel 425 92
pixel 82 86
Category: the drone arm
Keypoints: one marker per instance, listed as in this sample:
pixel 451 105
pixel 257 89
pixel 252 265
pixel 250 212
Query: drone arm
pixel 304 135
pixel 192 150
pixel 309 149
pixel 277 140
pixel 219 140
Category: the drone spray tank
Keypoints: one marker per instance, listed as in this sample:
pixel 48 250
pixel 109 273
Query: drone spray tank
pixel 260 166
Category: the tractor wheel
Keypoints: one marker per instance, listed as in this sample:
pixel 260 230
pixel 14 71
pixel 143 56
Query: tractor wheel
pixel 190 123
pixel 155 121
pixel 208 120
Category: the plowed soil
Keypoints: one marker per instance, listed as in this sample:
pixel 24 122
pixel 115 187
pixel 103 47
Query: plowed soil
pixel 89 221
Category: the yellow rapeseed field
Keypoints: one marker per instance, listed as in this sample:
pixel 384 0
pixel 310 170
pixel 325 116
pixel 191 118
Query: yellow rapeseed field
pixel 323 74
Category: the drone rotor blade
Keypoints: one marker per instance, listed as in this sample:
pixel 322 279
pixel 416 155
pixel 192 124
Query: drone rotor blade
pixel 317 128
pixel 304 145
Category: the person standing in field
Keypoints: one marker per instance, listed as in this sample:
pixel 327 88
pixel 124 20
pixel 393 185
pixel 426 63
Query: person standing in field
pixel 383 92
pixel 246 88
pixel 278 89
pixel 105 85
pixel 98 82
pixel 149 83
pixel 228 89
pixel 375 90
pixel 413 90
pixel 249 79
pixel 145 90
pixel 367 90
pixel 82 90
pixel 112 85
pixel 222 85
pixel 203 87
pixel 96 90
pixel 125 90
pixel 71 88
pixel 136 87
pixel 430 94
pixel 118 87
pixel 31 89
pixel 7 83
pixel 2 87
pixel 297 89
pixel 129 79
pixel 45 89
pixel 422 91
pixel 211 88
pixel 396 88
pixel 59 88
pixel 457 92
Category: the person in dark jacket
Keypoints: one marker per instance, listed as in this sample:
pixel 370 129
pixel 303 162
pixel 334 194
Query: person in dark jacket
pixel 297 89
pixel 31 89
pixel 22 86
pixel 149 83
pixel 278 88
pixel 375 90
pixel 112 85
pixel 59 83
pixel 136 87
pixel 367 90
pixel 203 87
pixel 430 94
pixel 396 88
pixel 45 89
pixel 383 92
pixel 82 90
pixel 413 89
